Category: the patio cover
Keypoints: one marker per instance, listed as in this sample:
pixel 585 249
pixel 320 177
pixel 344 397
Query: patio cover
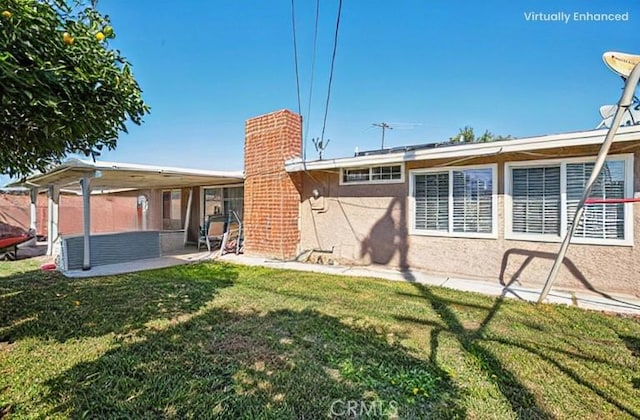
pixel 84 176
pixel 115 176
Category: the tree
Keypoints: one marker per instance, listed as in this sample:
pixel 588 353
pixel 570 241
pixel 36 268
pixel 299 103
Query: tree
pixel 466 135
pixel 62 88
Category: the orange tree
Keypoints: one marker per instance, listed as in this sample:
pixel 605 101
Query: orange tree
pixel 62 88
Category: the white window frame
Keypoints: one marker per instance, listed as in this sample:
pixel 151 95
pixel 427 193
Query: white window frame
pixel 537 237
pixel 450 233
pixel 371 181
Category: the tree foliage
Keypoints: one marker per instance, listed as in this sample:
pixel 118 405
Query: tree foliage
pixel 467 135
pixel 62 88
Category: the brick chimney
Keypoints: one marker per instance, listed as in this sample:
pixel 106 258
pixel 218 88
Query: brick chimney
pixel 271 195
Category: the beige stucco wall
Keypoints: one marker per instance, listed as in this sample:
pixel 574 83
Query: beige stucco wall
pixel 368 224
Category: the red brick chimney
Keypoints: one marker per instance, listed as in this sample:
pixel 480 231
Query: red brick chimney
pixel 271 195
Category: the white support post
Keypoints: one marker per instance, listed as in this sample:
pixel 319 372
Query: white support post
pixel 33 210
pixel 85 183
pixel 53 217
pixel 625 102
pixel 187 216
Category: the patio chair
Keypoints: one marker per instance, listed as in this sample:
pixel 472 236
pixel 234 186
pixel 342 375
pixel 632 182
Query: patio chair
pixel 212 231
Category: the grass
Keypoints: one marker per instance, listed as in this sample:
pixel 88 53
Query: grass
pixel 223 341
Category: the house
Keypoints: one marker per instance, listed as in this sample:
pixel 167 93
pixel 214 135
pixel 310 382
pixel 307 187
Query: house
pixel 493 211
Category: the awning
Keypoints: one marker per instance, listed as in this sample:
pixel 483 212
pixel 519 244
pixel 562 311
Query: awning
pixel 115 176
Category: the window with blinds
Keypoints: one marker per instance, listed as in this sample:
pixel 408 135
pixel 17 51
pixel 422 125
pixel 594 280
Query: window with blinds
pixel 456 202
pixel 536 200
pixel 431 195
pixel 604 221
pixel 472 200
pixel 544 199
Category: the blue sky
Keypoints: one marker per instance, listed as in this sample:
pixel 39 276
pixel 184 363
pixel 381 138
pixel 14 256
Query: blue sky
pixel 427 67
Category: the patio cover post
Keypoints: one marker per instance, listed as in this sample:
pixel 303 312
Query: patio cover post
pixel 625 102
pixel 85 183
pixel 33 213
pixel 53 217
pixel 187 217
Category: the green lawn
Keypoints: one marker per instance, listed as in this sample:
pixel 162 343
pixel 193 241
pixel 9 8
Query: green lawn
pixel 222 341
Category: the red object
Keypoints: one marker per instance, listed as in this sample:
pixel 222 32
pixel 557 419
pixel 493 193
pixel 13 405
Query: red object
pixel 13 240
pixel 48 267
pixel 611 200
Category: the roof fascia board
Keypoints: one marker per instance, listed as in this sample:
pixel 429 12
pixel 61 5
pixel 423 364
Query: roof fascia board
pixel 77 165
pixel 469 150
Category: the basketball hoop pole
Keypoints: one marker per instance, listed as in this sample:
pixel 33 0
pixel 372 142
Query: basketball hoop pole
pixel 625 102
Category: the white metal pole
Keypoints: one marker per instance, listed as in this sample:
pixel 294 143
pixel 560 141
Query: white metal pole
pixel 625 102
pixel 53 217
pixel 33 211
pixel 85 183
pixel 187 216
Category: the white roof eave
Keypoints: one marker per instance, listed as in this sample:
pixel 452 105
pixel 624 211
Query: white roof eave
pixel 528 144
pixel 72 170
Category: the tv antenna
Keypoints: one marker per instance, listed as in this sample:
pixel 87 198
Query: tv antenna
pixel 320 145
pixel 384 126
pixel 394 126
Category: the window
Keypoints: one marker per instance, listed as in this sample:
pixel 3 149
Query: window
pixel 536 200
pixel 542 198
pixel 171 210
pixel 373 174
pixel 171 204
pixel 221 200
pixel 431 195
pixel 234 200
pixel 603 221
pixel 212 201
pixel 454 202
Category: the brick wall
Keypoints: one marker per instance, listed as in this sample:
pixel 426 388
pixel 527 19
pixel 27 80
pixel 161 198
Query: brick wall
pixel 271 195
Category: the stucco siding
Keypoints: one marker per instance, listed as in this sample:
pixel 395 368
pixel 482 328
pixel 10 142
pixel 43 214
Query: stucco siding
pixel 368 224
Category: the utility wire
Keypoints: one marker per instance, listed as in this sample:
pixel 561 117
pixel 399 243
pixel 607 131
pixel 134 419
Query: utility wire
pixel 333 59
pixel 313 67
pixel 295 54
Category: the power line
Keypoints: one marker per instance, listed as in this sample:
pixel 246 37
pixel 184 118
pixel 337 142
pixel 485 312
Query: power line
pixel 333 59
pixel 313 67
pixel 295 54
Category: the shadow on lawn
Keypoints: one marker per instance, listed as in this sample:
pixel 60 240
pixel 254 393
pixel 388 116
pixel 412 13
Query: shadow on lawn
pixel 388 239
pixel 522 401
pixel 47 305
pixel 280 364
pixel 633 344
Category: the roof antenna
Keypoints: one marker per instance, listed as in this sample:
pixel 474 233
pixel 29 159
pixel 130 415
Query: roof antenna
pixel 320 145
pixel 384 127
